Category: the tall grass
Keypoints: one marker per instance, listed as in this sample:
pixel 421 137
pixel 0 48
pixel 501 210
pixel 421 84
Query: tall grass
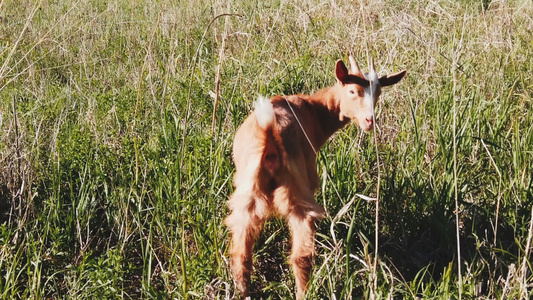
pixel 115 164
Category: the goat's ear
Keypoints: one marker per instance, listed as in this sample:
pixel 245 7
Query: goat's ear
pixel 341 72
pixel 391 79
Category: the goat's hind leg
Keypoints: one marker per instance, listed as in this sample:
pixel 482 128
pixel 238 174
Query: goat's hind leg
pixel 303 249
pixel 245 224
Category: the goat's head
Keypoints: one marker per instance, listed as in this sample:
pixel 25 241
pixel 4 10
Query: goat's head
pixel 358 92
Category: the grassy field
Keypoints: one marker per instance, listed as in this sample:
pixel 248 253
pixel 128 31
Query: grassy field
pixel 115 162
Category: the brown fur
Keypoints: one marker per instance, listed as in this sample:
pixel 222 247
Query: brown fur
pixel 276 169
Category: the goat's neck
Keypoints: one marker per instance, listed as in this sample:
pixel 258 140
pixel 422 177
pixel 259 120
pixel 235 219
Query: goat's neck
pixel 327 109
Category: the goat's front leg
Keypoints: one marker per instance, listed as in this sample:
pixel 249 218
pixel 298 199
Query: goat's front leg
pixel 245 224
pixel 302 225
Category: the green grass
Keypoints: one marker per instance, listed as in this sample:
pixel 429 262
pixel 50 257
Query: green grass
pixel 113 185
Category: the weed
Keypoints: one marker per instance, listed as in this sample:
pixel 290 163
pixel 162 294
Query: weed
pixel 114 173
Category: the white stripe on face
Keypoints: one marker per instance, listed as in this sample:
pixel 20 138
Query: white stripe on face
pixel 371 91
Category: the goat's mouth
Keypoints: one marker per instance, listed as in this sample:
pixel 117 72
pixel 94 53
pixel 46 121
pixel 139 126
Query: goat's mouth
pixel 366 124
pixel 367 128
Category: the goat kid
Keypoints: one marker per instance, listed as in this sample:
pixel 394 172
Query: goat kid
pixel 275 158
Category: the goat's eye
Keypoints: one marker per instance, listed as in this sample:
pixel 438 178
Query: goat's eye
pixel 352 92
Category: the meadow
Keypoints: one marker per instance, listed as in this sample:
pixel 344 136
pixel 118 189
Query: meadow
pixel 116 127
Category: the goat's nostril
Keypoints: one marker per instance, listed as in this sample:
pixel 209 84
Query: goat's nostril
pixel 369 121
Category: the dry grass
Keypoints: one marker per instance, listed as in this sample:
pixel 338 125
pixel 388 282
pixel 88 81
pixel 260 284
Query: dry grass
pixel 111 187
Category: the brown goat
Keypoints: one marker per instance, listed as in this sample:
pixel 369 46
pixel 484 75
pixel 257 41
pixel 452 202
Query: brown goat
pixel 275 158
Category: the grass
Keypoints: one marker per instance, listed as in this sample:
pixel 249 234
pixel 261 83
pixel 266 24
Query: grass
pixel 113 176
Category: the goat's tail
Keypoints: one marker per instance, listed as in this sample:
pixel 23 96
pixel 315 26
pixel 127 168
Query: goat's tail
pixel 264 112
pixel 273 152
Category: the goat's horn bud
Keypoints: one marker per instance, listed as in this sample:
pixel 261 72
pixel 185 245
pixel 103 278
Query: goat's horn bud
pixel 355 67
